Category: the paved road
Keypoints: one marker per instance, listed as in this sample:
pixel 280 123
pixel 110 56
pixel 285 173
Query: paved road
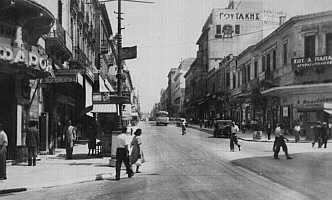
pixel 194 166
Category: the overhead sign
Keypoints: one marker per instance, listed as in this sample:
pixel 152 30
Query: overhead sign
pixel 129 53
pixel 305 63
pixel 35 57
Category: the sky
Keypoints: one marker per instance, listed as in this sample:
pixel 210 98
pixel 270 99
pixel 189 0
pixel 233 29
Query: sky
pixel 167 31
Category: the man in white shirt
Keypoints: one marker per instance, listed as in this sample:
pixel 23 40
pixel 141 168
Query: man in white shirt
pixel 122 154
pixel 3 152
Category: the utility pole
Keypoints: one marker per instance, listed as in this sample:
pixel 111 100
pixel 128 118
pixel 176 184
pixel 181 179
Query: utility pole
pixel 119 62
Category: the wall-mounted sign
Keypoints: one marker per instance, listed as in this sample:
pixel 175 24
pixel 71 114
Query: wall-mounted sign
pixel 306 63
pixel 35 57
pixel 242 16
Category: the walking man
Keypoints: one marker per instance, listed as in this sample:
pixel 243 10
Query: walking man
pixel 70 137
pixel 317 134
pixel 280 142
pixel 233 137
pixel 3 152
pixel 297 130
pixel 122 154
pixel 32 143
pixel 183 126
pixel 325 134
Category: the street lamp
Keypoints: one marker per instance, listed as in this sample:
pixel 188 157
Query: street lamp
pixel 119 75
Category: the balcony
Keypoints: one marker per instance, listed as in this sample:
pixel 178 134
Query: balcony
pixel 80 60
pixel 104 47
pixel 55 42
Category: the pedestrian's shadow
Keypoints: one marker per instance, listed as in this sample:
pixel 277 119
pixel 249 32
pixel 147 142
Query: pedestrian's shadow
pixel 80 156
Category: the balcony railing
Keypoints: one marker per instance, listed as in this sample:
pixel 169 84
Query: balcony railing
pixel 58 32
pixel 80 58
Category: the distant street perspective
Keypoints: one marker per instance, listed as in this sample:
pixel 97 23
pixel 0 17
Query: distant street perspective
pixel 166 99
pixel 196 166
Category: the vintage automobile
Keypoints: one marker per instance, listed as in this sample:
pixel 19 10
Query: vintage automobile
pixel 222 128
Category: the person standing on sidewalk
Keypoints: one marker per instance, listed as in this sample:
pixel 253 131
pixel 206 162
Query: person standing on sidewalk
pixel 183 127
pixel 297 130
pixel 280 142
pixel 70 137
pixel 317 134
pixel 269 130
pixel 3 152
pixel 325 134
pixel 31 141
pixel 122 154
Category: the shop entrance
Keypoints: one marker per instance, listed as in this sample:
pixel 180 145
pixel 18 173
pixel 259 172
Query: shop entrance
pixel 8 111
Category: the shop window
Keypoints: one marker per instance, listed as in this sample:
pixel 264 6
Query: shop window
pixel 329 44
pixel 309 46
pixel 218 29
pixel 285 52
pixel 256 69
pixel 237 29
pixel 274 59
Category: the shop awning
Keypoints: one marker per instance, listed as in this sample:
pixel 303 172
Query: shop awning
pixel 328 112
pixel 104 108
pixel 299 89
pixel 326 107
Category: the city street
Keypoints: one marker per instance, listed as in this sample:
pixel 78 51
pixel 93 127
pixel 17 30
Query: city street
pixel 198 166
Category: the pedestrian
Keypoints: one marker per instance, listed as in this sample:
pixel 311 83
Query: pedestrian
pixel 122 154
pixel 183 127
pixel 317 133
pixel 297 130
pixel 280 142
pixel 70 137
pixel 269 130
pixel 233 137
pixel 31 142
pixel 216 130
pixel 325 134
pixel 136 156
pixel 3 152
pixel 200 124
pixel 92 139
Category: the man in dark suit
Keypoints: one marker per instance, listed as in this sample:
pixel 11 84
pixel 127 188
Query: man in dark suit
pixel 32 143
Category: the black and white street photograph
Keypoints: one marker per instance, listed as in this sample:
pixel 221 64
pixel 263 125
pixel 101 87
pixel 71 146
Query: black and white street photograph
pixel 165 99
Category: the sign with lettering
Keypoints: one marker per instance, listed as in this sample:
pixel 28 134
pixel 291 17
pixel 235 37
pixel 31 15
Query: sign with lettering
pixel 35 57
pixel 306 63
pixel 240 16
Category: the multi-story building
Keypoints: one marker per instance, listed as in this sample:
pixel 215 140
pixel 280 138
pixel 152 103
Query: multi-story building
pixel 179 86
pixel 23 61
pixel 229 31
pixel 285 77
pixel 170 89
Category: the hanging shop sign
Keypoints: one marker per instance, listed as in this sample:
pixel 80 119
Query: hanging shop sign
pixel 35 57
pixel 307 63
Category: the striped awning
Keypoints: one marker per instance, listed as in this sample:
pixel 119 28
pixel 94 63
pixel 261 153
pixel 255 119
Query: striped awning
pixel 104 108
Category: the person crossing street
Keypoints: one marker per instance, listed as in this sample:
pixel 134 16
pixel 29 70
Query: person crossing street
pixel 122 154
pixel 233 137
pixel 280 142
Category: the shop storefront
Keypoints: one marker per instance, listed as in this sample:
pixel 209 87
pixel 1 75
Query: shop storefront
pixel 22 62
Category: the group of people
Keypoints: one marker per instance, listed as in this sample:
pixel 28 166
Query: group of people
pixel 136 156
pixel 321 134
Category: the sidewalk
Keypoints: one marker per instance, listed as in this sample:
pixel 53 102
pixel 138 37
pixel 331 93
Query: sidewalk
pixel 55 170
pixel 248 135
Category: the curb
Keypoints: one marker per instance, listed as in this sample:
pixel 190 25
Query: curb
pixel 13 190
pixel 247 140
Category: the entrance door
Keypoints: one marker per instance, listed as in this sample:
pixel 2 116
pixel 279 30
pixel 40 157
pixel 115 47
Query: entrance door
pixel 8 112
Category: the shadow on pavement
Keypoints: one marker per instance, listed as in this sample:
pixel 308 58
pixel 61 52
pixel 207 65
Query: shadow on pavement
pixel 80 156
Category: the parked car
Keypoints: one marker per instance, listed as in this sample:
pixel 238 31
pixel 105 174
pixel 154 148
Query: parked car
pixel 179 122
pixel 222 128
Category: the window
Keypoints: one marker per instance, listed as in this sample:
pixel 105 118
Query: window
pixel 237 29
pixel 285 52
pixel 60 11
pixel 329 44
pixel 218 29
pixel 248 72
pixel 274 59
pixel 309 46
pixel 263 63
pixel 256 69
pixel 243 75
pixel 234 80
pixel 228 81
pixel 268 62
pixel 238 78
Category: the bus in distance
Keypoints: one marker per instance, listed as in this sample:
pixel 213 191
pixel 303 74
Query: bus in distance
pixel 162 118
